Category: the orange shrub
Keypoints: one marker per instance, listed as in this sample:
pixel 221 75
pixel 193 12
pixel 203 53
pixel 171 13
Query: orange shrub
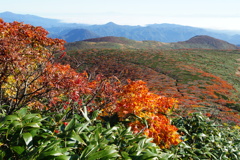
pixel 138 104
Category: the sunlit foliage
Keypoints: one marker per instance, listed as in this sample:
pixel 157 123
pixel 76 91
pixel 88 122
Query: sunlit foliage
pixel 30 77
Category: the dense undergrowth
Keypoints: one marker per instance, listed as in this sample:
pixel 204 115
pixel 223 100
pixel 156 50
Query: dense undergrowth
pixel 50 111
pixel 29 134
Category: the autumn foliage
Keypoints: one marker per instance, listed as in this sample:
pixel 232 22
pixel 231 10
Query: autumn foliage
pixel 30 77
pixel 25 53
pixel 138 102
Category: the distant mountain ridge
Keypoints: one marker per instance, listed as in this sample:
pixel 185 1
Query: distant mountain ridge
pixel 155 32
pixel 31 19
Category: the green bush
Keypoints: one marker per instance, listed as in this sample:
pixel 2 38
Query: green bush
pixel 26 135
pixel 36 136
pixel 204 139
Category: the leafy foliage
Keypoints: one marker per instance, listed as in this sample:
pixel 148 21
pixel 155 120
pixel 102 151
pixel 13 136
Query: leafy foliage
pixel 26 51
pixel 205 139
pixel 146 112
pixel 27 135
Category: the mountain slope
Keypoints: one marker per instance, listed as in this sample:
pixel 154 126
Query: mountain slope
pixel 55 27
pixel 111 39
pixel 30 19
pixel 202 80
pixel 78 35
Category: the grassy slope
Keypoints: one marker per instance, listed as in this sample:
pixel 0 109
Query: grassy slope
pixel 202 80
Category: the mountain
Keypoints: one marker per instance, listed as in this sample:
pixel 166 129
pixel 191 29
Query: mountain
pixel 155 32
pixel 165 32
pixel 159 32
pixel 55 27
pixel 78 35
pixel 234 39
pixel 112 29
pixel 207 42
pixel 196 42
pixel 30 19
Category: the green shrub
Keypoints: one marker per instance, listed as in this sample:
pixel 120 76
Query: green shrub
pixel 204 139
pixel 26 135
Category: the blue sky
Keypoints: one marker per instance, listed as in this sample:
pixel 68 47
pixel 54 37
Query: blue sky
pixel 215 14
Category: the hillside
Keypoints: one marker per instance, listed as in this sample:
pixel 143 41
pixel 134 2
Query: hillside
pixel 203 41
pixel 202 80
pixel 111 39
pixel 200 42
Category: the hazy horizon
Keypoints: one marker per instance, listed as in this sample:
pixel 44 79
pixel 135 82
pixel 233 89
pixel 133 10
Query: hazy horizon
pixel 211 14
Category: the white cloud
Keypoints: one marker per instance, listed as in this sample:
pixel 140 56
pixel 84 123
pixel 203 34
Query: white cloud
pixel 217 14
pixel 212 22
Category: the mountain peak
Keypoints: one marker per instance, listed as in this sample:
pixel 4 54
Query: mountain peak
pixel 79 35
pixel 111 23
pixel 7 12
pixel 204 39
